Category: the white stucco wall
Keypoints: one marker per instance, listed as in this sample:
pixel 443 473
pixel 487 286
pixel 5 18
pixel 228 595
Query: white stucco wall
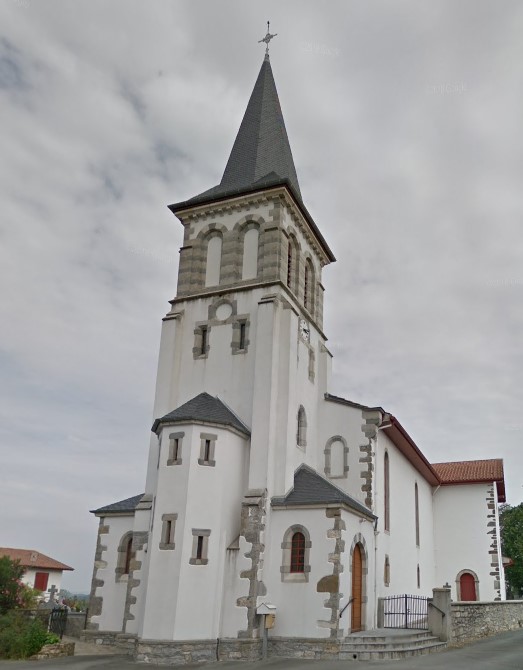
pixel 462 540
pixel 55 577
pixel 113 590
pixel 183 601
pixel 400 542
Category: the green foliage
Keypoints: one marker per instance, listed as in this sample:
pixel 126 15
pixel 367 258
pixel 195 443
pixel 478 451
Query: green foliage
pixel 511 527
pixel 51 638
pixel 20 635
pixel 11 588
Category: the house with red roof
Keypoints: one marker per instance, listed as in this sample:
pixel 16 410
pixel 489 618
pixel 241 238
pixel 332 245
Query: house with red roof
pixel 41 571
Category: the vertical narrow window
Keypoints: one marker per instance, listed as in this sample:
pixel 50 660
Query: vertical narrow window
pixel 289 264
pixel 207 447
pixel 168 526
pixel 386 571
pixel 301 437
pixel 386 492
pixel 418 576
pixel 175 449
pixel 205 338
pixel 128 556
pixel 242 335
pixel 298 553
pixel 250 254
pixel 214 260
pixel 199 547
pixel 306 287
pixel 416 509
pixel 207 451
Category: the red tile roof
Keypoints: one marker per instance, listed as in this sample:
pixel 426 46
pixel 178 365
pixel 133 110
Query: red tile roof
pixel 471 472
pixel 30 558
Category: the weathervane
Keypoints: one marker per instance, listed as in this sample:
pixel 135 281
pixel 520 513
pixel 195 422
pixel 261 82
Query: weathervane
pixel 267 39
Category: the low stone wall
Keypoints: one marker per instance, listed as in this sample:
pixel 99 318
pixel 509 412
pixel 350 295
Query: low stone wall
pixel 474 620
pixel 123 641
pixel 303 647
pixel 54 651
pixel 180 652
pixel 75 624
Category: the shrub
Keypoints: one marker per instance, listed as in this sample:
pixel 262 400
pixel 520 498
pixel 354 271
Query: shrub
pixel 20 635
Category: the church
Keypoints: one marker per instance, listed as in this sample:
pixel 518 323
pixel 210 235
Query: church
pixel 265 492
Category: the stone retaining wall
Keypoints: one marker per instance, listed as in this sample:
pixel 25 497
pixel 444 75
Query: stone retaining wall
pixel 303 647
pixel 474 620
pixel 75 624
pixel 54 651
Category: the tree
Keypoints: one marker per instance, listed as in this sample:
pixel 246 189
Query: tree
pixel 12 591
pixel 511 528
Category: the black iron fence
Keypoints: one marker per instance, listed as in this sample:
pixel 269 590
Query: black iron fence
pixel 405 612
pixel 58 621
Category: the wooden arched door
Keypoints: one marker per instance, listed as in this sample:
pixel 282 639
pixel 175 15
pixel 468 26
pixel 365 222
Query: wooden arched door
pixel 357 588
pixel 467 587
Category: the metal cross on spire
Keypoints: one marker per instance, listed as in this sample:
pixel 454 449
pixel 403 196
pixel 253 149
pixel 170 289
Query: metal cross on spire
pixel 267 39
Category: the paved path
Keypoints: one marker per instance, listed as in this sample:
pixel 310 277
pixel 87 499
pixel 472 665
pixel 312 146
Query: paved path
pixel 503 652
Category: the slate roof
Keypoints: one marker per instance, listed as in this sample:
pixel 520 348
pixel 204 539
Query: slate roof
pixel 203 408
pixel 261 146
pixel 310 488
pixel 127 505
pixel 30 558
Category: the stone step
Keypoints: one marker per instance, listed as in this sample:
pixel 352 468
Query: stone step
pixel 392 645
pixel 388 642
pixel 387 639
pixel 391 654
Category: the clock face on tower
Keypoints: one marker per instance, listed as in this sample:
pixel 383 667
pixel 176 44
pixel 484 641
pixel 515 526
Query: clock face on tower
pixel 305 332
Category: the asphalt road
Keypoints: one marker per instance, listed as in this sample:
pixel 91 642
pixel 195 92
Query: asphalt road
pixel 503 652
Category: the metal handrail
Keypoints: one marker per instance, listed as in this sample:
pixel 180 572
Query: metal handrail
pixel 343 610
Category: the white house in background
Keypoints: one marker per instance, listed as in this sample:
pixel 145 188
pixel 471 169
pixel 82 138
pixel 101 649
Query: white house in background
pixel 262 487
pixel 41 572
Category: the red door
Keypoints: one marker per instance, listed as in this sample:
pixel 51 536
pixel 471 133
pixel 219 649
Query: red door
pixel 41 579
pixel 467 585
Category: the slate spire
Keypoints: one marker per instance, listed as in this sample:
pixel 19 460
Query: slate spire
pixel 261 146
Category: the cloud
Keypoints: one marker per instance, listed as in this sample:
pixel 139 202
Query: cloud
pixel 403 123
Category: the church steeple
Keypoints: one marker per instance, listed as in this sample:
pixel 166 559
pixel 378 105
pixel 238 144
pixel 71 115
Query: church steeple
pixel 261 146
pixel 261 155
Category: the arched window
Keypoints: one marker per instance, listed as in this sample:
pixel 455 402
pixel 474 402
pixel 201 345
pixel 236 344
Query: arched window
pixel 250 254
pixel 296 548
pixel 308 287
pixel 416 507
pixel 301 437
pixel 124 556
pixel 214 260
pixel 386 491
pixel 128 556
pixel 290 262
pixel 298 552
pixel 336 457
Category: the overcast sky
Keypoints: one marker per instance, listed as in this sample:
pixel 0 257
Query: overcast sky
pixel 405 123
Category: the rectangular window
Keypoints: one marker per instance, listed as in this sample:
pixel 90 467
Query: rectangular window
pixel 203 349
pixel 207 447
pixel 175 449
pixel 200 546
pixel 168 529
pixel 41 581
pixel 242 336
